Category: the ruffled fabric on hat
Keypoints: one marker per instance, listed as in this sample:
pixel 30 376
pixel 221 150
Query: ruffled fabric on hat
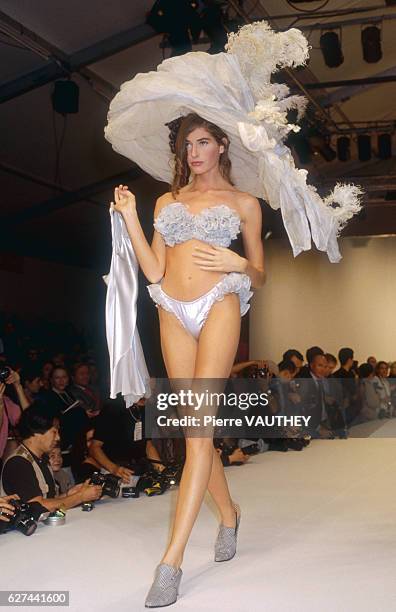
pixel 233 90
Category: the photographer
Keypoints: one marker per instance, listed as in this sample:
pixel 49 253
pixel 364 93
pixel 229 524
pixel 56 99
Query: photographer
pixel 10 412
pixel 6 509
pixel 27 471
pixel 119 443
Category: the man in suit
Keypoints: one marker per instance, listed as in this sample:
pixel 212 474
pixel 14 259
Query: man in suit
pixel 314 394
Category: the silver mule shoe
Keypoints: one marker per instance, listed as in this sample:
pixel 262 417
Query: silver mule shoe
pixel 225 546
pixel 165 587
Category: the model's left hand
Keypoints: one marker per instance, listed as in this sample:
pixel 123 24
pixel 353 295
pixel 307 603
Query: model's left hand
pixel 218 259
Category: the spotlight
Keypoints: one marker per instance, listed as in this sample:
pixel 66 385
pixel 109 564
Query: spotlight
pixel 371 43
pixel 331 49
pixel 364 147
pixel 343 148
pixel 384 146
pixel 65 97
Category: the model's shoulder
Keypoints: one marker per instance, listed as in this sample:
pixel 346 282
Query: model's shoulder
pixel 249 207
pixel 247 201
pixel 163 200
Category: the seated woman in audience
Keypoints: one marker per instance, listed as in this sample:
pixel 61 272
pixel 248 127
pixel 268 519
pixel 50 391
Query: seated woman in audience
pixel 61 477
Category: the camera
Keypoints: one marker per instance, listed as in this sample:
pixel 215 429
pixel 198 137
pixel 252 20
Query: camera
pixel 4 373
pixel 252 449
pixel 110 484
pixel 23 519
pixel 257 372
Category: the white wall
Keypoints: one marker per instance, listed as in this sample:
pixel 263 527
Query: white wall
pixel 308 301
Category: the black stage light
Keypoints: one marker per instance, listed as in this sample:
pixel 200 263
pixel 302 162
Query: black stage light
pixel 384 146
pixel 331 48
pixel 320 145
pixel 300 144
pixel 371 43
pixel 213 25
pixel 65 97
pixel 343 148
pixel 179 19
pixel 390 196
pixel 364 147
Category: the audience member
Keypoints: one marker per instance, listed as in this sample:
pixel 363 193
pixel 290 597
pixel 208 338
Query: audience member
pixel 119 444
pixel 369 398
pixel 83 391
pixel 296 357
pixel 383 389
pixel 305 371
pixel 27 473
pixel 31 381
pixel 10 413
pixel 61 477
pixel 347 378
pixel 73 417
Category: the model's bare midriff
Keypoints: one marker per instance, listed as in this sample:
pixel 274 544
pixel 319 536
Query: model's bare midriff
pixel 184 279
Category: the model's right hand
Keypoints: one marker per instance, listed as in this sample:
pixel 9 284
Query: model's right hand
pixel 124 200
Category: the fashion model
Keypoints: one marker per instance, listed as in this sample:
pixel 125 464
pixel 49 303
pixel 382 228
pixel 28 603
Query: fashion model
pixel 202 295
pixel 213 127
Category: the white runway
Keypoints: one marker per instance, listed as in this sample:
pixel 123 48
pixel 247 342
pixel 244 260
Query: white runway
pixel 317 534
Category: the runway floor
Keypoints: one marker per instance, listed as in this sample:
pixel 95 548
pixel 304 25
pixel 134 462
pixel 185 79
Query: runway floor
pixel 318 533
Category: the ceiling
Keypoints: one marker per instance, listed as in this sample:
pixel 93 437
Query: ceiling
pixel 57 209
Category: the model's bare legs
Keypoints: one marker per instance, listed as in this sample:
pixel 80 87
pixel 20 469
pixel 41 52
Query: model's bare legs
pixel 218 489
pixel 213 359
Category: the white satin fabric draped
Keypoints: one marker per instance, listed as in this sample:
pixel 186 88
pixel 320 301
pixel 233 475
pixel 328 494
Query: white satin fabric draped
pixel 128 371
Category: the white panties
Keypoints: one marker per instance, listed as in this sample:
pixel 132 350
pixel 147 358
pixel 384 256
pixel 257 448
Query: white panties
pixel 193 314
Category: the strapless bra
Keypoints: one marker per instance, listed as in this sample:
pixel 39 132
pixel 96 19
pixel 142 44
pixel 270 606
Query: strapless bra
pixel 217 225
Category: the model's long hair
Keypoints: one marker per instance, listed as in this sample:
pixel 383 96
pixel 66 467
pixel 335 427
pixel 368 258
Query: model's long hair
pixel 179 130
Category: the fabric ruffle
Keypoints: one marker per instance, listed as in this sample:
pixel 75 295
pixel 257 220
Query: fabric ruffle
pixel 216 225
pixel 233 90
pixel 233 282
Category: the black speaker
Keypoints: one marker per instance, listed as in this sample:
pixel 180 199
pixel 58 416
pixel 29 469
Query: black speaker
pixel 364 147
pixel 65 97
pixel 331 48
pixel 384 146
pixel 343 148
pixel 371 43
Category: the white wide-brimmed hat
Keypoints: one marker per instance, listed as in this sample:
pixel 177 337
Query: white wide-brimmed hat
pixel 233 91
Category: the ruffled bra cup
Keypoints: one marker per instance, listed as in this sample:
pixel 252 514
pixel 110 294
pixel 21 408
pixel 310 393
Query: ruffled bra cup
pixel 216 225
